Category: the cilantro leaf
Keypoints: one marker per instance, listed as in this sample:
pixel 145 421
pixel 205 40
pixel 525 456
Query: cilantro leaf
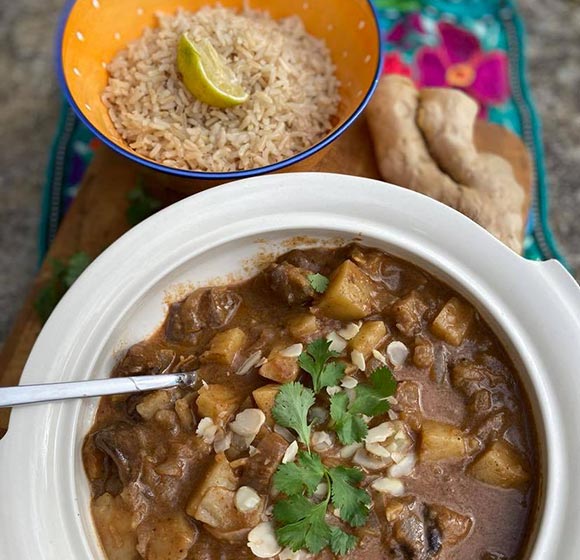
pixel 141 205
pixel 341 542
pixel 371 399
pixel 301 524
pixel 76 265
pixel 319 282
pixel 350 428
pixel 46 299
pixel 351 501
pixel 291 409
pixel 303 475
pixel 314 360
pixel 62 277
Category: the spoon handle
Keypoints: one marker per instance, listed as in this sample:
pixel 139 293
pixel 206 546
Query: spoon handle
pixel 28 394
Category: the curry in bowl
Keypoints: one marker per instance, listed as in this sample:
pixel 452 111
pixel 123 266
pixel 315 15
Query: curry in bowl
pixel 351 405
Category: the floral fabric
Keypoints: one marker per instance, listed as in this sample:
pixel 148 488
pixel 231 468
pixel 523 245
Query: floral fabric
pixel 476 46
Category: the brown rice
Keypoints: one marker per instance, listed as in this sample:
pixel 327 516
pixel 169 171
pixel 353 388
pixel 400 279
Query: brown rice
pixel 288 73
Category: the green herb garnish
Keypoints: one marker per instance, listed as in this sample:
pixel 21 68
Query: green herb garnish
pixel 291 409
pixel 141 205
pixel 301 522
pixel 319 282
pixel 349 427
pixel 315 361
pixel 301 514
pixel 304 475
pixel 370 400
pixel 62 278
pixel 351 501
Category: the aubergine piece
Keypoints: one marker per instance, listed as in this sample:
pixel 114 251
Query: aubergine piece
pixel 126 445
pixel 206 308
pixel 145 359
pixel 262 465
pixel 290 283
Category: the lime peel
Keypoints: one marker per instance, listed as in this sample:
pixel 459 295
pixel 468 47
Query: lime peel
pixel 206 74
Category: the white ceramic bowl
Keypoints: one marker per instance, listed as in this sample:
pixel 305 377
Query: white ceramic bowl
pixel 534 307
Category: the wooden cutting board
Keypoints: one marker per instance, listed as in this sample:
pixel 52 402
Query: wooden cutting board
pixel 97 216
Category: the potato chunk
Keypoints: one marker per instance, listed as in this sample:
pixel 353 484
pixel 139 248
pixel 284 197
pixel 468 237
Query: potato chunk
pixel 217 509
pixel 280 368
pixel 219 473
pixel 368 338
pixel 500 465
pixel 114 521
pixel 453 320
pixel 441 441
pixel 349 294
pixel 265 397
pixel 152 403
pixel 224 347
pixel 166 539
pixel 302 326
pixel 219 402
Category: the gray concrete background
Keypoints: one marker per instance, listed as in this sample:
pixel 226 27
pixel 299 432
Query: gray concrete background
pixel 29 103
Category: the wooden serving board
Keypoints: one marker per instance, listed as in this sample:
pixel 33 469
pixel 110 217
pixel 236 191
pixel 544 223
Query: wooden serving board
pixel 98 215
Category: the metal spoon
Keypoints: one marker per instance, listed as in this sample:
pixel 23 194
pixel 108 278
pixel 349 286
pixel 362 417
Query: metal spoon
pixel 29 394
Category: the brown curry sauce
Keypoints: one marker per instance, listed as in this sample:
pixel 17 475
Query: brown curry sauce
pixel 145 461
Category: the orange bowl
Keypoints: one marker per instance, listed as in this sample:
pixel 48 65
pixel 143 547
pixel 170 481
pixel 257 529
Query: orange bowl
pixel 91 33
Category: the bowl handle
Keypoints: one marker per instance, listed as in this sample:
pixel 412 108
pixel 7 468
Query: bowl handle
pixel 563 284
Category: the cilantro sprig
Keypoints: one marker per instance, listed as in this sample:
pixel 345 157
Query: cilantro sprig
pixel 62 278
pixel 370 400
pixel 349 427
pixel 304 475
pixel 351 501
pixel 291 407
pixel 301 513
pixel 315 361
pixel 318 282
pixel 141 205
pixel 301 522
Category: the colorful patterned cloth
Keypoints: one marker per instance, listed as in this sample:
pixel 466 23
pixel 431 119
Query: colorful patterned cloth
pixel 473 45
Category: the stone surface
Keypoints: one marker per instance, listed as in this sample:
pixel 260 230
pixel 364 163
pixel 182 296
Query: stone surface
pixel 29 103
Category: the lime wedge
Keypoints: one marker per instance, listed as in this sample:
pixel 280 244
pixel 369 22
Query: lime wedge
pixel 206 74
